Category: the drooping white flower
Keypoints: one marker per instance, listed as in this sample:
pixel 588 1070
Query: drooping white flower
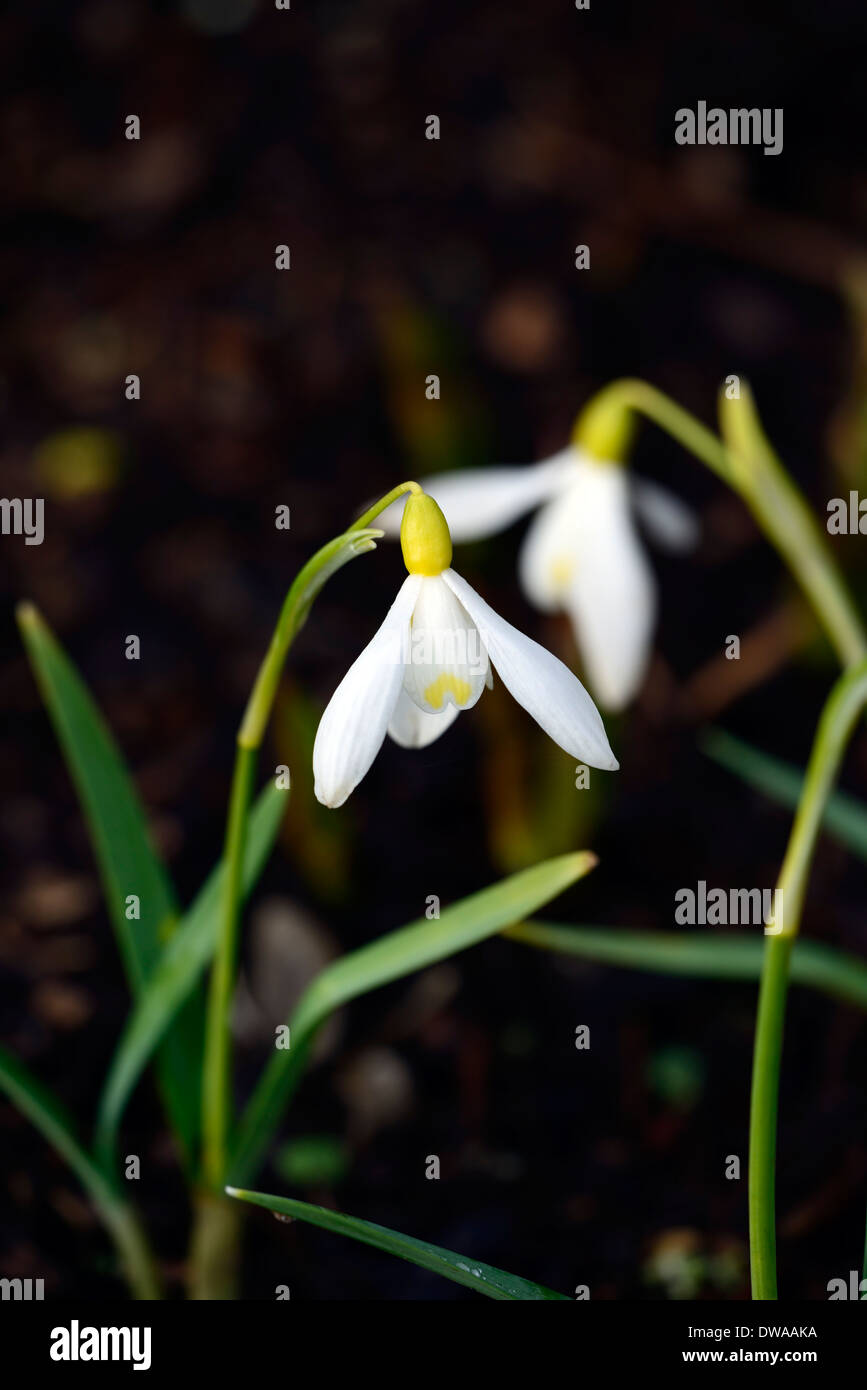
pixel 432 658
pixel 582 553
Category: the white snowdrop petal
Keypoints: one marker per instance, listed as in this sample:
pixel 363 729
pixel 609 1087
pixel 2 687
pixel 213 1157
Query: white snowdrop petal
pixel 612 596
pixel 549 554
pixel 354 724
pixel 546 688
pixel 446 662
pixel 412 727
pixel 478 502
pixel 668 521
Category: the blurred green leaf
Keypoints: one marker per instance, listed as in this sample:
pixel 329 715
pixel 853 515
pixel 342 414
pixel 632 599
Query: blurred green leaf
pixel 45 1112
pixel 125 857
pixel 845 816
pixel 180 966
pixel 484 1279
pixel 43 1109
pixel 389 958
pixel 677 1075
pixel 721 956
pixel 313 1160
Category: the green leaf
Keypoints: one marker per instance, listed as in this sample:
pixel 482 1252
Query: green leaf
pixel 484 1279
pixel 43 1109
pixel 720 956
pixel 389 958
pixel 46 1113
pixel 313 1160
pixel 186 956
pixel 845 816
pixel 125 857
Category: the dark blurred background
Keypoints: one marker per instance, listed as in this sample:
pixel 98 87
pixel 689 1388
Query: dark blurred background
pixel 306 388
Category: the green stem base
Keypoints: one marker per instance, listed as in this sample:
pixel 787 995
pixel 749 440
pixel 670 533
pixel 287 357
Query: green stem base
pixel 215 1249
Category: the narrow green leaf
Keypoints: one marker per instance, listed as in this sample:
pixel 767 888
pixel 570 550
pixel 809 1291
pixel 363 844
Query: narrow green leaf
pixel 43 1109
pixel 720 956
pixel 46 1113
pixel 389 958
pixel 186 956
pixel 484 1279
pixel 845 816
pixel 125 857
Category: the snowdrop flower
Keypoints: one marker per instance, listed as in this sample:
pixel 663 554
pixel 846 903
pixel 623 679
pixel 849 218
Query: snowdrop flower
pixel 582 553
pixel 432 658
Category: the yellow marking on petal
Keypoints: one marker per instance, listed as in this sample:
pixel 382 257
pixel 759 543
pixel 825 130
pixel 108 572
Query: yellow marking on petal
pixel 447 684
pixel 561 570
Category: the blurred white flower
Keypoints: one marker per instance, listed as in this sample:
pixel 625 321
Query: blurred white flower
pixel 432 658
pixel 582 553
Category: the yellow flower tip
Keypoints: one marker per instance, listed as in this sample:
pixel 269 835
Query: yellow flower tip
pixel 424 536
pixel 27 614
pixel 588 859
pixel 604 430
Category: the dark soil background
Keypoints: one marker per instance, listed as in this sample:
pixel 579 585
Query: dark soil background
pixel 306 388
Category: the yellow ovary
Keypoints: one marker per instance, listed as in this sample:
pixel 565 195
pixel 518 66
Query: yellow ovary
pixel 424 537
pixel 447 684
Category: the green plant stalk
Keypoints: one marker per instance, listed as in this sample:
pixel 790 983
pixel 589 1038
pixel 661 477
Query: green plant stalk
pixel 216 1086
pixel 604 427
pixel 214 1234
pixel 839 716
pixel 787 519
pixel 764 1106
pixel 215 1249
pixel 217 1065
pixel 745 460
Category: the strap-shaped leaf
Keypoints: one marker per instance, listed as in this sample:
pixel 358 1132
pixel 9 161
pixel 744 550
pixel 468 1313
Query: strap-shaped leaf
pixel 175 977
pixel 389 958
pixel 484 1279
pixel 845 816
pixel 712 955
pixel 127 862
pixel 46 1113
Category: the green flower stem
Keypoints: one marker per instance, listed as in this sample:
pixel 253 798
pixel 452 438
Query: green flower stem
pixel 839 716
pixel 745 460
pixel 217 1067
pixel 373 512
pixel 215 1249
pixel 604 427
pixel 789 522
pixel 764 1098
pixel 216 1088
